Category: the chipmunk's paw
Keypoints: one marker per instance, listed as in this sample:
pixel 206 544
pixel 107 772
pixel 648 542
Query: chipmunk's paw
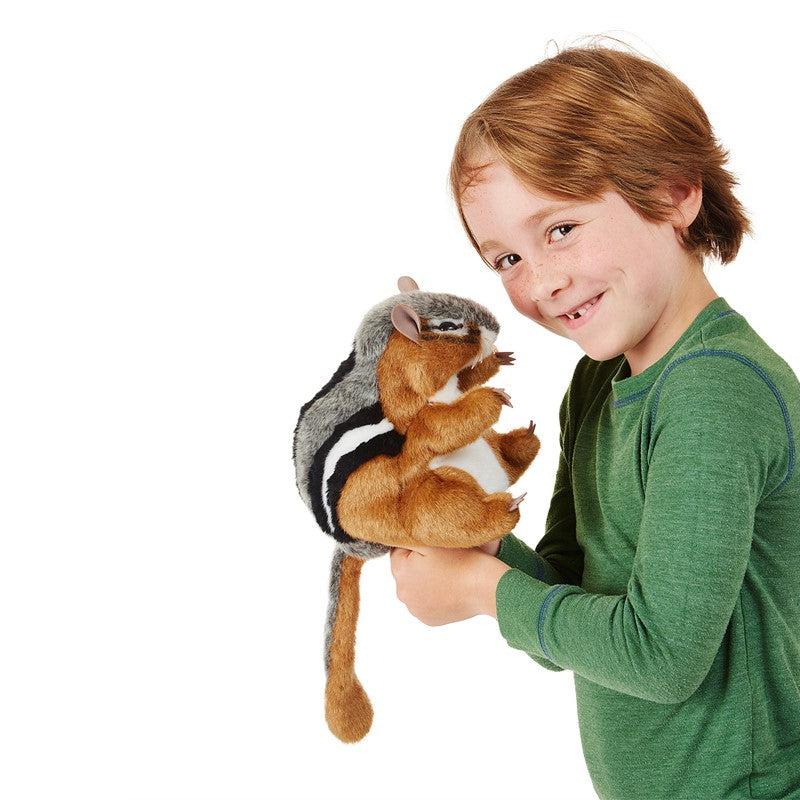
pixel 504 356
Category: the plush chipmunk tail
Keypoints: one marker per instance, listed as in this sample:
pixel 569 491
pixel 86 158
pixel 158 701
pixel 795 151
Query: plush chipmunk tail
pixel 348 710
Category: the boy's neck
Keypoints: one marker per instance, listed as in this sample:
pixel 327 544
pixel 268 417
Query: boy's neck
pixel 691 296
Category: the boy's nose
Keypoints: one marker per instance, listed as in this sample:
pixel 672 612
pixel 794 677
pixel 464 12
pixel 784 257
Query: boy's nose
pixel 546 286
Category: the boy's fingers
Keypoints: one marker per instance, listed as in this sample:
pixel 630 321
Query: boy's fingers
pixel 422 550
pixel 395 554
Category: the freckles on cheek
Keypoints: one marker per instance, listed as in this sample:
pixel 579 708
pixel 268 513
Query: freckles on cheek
pixel 527 308
pixel 520 297
pixel 514 294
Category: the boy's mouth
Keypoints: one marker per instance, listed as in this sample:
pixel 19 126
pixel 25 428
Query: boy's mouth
pixel 586 310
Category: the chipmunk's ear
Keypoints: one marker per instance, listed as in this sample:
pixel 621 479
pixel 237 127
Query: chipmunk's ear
pixel 406 284
pixel 407 321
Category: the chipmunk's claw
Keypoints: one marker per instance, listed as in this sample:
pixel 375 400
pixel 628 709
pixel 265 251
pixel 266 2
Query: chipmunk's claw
pixel 531 427
pixel 505 399
pixel 516 501
pixel 505 356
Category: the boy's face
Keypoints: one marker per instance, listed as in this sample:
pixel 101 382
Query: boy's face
pixel 601 248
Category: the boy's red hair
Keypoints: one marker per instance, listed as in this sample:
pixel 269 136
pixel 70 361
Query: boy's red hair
pixel 593 118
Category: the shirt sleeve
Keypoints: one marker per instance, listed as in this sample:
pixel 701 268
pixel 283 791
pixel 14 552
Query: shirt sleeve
pixel 717 445
pixel 517 554
pixel 557 558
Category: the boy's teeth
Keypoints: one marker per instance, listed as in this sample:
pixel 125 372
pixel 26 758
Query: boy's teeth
pixel 582 310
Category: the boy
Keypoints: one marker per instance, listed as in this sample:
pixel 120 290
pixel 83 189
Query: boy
pixel 667 578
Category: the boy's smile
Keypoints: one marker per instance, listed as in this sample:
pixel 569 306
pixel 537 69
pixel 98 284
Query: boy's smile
pixel 554 256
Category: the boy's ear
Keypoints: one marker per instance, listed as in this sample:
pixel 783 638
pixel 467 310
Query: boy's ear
pixel 686 199
pixel 407 321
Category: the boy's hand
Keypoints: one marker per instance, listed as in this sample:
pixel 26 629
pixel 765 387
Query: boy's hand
pixel 440 585
pixel 490 548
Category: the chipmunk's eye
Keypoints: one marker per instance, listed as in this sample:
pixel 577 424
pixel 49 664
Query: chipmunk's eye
pixel 448 326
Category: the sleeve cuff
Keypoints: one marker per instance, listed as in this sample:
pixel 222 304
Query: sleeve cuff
pixel 517 554
pixel 522 606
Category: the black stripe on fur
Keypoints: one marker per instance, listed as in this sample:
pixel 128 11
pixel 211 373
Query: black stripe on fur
pixel 388 443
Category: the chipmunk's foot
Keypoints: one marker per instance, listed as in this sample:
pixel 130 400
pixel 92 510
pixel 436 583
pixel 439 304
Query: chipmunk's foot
pixel 503 395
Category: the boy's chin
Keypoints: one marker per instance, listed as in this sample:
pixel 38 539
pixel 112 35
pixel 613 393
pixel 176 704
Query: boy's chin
pixel 597 352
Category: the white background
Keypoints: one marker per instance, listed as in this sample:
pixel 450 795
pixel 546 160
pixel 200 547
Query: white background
pixel 198 203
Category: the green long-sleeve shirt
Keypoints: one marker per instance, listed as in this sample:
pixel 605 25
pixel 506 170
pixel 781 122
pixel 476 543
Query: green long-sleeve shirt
pixel 668 577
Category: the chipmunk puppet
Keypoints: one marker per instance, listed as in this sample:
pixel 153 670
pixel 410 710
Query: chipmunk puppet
pixel 397 450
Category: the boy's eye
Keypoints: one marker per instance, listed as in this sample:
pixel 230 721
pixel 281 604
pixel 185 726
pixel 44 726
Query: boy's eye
pixel 497 264
pixel 561 228
pixel 564 227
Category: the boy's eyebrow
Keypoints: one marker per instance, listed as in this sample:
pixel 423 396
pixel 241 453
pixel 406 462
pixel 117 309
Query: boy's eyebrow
pixel 539 215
